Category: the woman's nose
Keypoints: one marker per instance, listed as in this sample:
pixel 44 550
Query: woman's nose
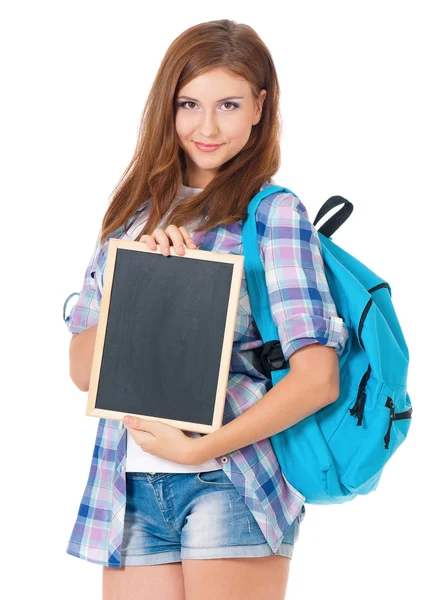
pixel 209 124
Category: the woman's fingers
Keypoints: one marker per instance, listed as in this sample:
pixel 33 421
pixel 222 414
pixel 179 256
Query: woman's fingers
pixel 162 239
pixel 177 235
pixel 187 238
pixel 149 240
pixel 177 238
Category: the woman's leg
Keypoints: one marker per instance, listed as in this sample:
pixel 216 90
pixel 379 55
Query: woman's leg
pixel 155 582
pixel 263 578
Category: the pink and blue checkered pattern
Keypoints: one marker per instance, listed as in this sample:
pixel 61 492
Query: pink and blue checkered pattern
pixel 304 313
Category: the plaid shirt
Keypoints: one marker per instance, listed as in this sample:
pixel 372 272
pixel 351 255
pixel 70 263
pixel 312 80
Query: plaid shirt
pixel 304 313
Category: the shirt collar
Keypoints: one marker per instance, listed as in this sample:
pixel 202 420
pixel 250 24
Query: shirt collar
pixel 185 192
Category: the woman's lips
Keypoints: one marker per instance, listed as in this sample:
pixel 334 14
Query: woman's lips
pixel 207 148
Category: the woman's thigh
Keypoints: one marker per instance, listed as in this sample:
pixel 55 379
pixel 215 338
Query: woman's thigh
pixel 236 578
pixel 155 582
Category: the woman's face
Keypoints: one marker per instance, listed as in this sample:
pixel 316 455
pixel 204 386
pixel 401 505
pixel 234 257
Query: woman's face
pixel 216 107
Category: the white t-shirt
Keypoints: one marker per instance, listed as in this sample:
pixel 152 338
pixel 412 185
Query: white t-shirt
pixel 137 458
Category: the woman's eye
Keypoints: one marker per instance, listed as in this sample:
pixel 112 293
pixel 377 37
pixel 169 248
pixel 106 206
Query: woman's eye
pixel 187 102
pixel 182 104
pixel 232 104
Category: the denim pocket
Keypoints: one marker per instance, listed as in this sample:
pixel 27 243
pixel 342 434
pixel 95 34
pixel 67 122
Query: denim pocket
pixel 217 477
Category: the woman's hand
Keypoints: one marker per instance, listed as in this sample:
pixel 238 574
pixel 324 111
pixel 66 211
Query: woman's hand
pixel 164 441
pixel 177 235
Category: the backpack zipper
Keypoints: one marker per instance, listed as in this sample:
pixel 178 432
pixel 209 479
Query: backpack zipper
pixel 367 309
pixel 358 407
pixel 389 404
pixel 406 414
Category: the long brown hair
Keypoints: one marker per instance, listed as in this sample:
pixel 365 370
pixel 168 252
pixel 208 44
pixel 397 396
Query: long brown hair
pixel 158 166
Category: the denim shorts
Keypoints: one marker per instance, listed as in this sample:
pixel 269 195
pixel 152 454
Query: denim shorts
pixel 174 516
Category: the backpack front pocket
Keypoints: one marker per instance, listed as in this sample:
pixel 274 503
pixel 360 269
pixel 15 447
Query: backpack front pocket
pixel 387 428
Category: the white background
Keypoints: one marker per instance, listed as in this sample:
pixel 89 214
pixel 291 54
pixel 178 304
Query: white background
pixel 75 76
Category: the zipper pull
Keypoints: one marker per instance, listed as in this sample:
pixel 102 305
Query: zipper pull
pixel 355 407
pixel 358 409
pixel 389 404
pixel 361 406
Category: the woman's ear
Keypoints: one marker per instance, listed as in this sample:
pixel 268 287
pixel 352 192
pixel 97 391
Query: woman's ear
pixel 258 112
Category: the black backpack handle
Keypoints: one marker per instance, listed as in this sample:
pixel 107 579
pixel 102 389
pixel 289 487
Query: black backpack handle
pixel 334 222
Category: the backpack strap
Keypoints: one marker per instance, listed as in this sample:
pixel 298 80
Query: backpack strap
pixel 270 353
pixel 334 222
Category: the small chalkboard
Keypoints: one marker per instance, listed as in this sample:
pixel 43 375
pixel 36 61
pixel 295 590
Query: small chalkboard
pixel 165 335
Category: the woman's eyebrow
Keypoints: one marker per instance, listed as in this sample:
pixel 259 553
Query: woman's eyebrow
pixel 222 99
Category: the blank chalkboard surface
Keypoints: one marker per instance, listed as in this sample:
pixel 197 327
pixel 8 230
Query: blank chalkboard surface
pixel 164 336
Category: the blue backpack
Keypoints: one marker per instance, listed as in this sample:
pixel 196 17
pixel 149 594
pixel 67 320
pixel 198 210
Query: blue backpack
pixel 339 451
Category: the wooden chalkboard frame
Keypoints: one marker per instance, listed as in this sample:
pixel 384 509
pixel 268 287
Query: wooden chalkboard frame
pixel 237 261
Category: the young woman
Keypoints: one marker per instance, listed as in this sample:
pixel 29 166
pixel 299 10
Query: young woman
pixel 174 515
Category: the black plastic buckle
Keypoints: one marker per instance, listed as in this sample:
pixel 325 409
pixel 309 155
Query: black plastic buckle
pixel 271 356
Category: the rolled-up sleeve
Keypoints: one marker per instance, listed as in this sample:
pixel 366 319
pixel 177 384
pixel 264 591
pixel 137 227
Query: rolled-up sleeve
pixel 302 307
pixel 85 312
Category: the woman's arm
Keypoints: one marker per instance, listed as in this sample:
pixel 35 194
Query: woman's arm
pixel 81 350
pixel 311 384
pixel 82 321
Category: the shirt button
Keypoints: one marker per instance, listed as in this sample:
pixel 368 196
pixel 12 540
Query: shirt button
pixel 224 459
